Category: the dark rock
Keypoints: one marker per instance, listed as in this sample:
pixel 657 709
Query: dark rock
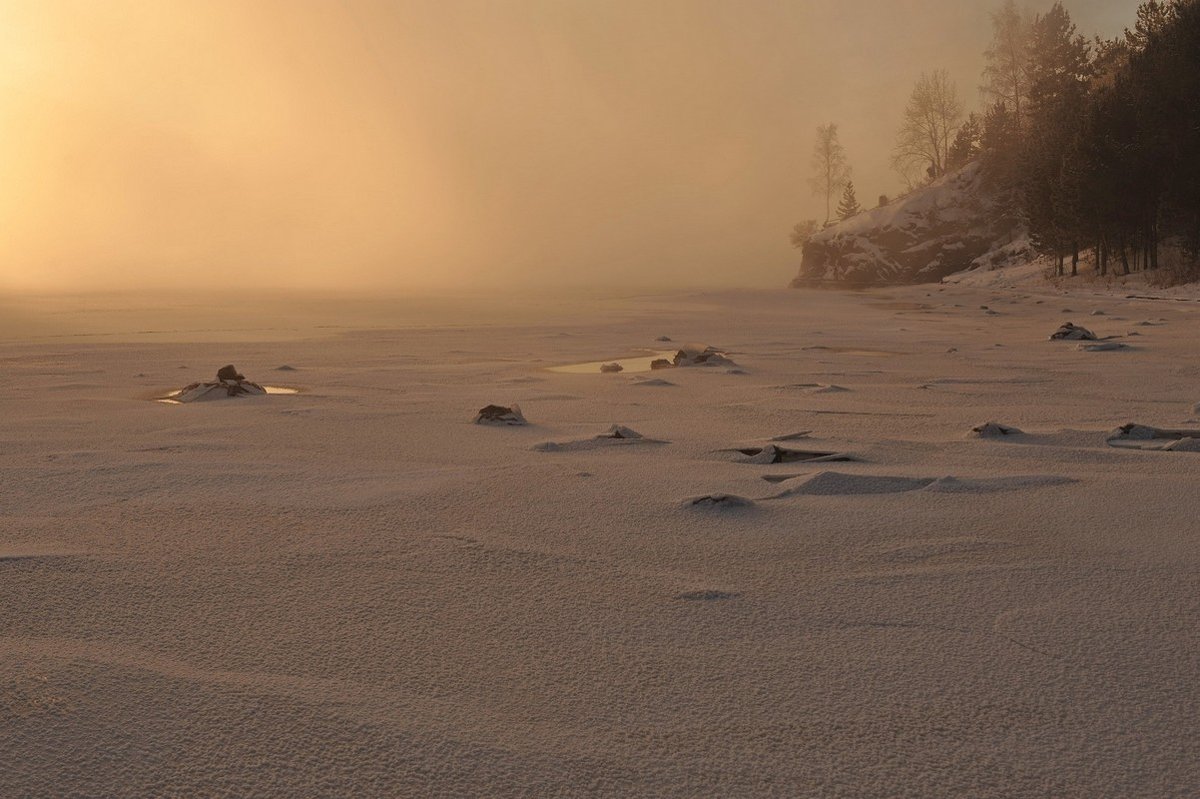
pixel 229 372
pixel 620 431
pixel 500 415
pixel 709 356
pixel 773 453
pixel 1071 332
pixel 994 430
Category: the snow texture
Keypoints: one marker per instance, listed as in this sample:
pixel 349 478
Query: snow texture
pixel 352 591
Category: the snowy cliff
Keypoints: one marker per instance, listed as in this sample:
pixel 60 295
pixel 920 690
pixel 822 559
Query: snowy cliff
pixel 953 224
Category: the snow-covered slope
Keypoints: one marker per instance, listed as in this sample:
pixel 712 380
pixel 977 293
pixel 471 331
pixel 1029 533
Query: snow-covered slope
pixel 951 225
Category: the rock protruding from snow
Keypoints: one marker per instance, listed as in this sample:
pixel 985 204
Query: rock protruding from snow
pixel 1072 332
pixel 695 356
pixel 718 501
pixel 1141 436
pixel 609 368
pixel 1137 432
pixel 994 430
pixel 620 431
pixel 500 416
pixel 617 435
pixel 954 224
pixel 229 372
pixel 229 383
pixel 773 453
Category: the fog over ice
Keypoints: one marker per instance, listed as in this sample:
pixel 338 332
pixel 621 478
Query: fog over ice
pixel 364 143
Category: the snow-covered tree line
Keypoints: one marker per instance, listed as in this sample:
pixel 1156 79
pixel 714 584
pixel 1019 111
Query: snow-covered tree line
pixel 1092 144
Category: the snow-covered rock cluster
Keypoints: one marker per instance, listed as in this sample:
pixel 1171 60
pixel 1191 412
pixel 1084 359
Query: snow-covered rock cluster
pixel 229 383
pixel 954 224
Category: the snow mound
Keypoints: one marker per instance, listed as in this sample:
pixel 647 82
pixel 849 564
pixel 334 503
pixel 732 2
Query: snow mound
pixel 222 389
pixel 992 485
pixel 773 453
pixel 817 388
pixel 840 483
pixel 994 430
pixel 718 501
pixel 1140 436
pixel 617 435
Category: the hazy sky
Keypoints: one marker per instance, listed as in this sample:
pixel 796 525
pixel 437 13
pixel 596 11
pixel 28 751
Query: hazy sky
pixel 352 143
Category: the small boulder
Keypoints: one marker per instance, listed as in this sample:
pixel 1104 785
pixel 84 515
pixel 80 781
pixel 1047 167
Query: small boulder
pixel 709 356
pixel 229 372
pixel 500 416
pixel 1071 332
pixel 609 368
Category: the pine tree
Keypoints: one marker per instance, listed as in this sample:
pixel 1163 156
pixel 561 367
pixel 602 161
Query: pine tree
pixel 967 143
pixel 1059 71
pixel 1153 17
pixel 849 206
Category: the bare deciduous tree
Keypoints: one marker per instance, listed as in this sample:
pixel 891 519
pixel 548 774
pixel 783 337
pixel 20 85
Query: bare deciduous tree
pixel 830 170
pixel 1006 76
pixel 930 120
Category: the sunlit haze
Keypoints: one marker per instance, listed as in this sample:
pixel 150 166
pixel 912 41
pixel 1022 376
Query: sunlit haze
pixel 366 144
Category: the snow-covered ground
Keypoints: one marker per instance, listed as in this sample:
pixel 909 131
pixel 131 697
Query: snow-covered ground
pixel 355 591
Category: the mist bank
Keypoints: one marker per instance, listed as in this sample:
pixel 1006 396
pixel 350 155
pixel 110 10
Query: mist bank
pixel 399 144
pixel 277 315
